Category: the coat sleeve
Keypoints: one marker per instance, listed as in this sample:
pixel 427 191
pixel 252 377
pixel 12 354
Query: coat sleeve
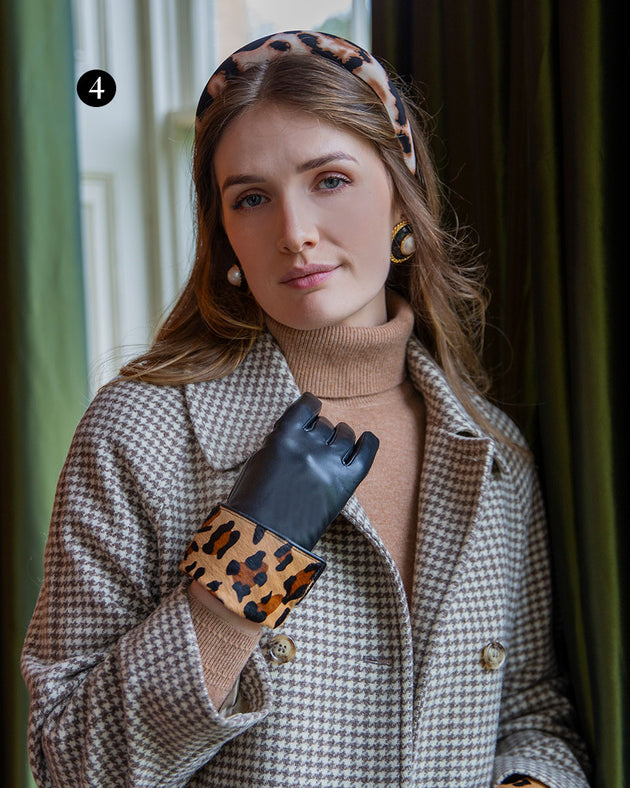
pixel 111 659
pixel 537 735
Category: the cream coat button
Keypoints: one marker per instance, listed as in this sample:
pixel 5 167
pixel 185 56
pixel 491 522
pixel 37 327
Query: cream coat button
pixel 282 649
pixel 493 656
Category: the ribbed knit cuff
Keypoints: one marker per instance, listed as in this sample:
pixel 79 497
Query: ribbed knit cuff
pixel 255 572
pixel 224 650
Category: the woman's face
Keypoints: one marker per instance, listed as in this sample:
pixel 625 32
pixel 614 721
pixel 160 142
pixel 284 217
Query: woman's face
pixel 298 193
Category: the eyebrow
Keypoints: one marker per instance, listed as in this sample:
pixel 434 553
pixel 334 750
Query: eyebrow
pixel 311 164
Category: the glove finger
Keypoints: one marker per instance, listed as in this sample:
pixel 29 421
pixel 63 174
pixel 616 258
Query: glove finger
pixel 300 412
pixel 342 439
pixel 323 428
pixel 361 458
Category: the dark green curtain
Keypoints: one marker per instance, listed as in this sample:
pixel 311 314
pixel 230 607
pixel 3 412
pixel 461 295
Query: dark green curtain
pixel 528 143
pixel 42 348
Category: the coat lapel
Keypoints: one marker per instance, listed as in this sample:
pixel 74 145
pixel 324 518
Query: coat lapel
pixel 458 460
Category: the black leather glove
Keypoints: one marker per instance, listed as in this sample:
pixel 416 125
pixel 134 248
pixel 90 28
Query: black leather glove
pixel 304 473
pixel 253 551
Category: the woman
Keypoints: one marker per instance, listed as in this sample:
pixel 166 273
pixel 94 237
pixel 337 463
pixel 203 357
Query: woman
pixel 168 646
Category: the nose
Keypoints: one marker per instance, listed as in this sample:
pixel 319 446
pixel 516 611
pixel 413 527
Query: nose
pixel 297 227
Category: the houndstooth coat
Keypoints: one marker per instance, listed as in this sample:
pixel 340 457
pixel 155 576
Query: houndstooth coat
pixel 378 695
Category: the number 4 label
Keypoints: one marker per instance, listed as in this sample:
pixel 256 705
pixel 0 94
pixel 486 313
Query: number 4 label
pixel 96 88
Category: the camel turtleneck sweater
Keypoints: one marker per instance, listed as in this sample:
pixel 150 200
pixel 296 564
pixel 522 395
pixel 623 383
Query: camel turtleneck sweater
pixel 360 376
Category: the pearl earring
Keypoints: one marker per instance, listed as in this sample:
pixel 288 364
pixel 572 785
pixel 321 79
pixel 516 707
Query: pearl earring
pixel 403 243
pixel 235 275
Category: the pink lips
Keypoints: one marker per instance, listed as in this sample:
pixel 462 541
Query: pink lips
pixel 308 276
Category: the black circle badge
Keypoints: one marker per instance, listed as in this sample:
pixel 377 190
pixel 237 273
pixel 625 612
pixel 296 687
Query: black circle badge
pixel 96 88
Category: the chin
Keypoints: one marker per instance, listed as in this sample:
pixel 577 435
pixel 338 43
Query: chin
pixel 314 313
pixel 311 324
pixel 306 317
pixel 305 324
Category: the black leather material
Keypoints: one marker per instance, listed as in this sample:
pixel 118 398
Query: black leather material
pixel 304 473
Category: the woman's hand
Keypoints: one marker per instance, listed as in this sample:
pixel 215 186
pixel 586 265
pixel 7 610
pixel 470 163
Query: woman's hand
pixel 253 551
pixel 304 473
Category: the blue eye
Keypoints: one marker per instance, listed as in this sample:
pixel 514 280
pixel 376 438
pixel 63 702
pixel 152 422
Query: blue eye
pixel 250 201
pixel 333 181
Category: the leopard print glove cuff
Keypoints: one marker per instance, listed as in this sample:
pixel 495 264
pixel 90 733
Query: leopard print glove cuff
pixel 255 572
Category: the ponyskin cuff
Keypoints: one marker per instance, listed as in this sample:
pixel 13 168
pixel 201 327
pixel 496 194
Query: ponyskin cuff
pixel 254 571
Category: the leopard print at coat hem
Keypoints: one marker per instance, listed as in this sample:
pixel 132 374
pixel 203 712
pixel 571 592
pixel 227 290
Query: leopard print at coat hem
pixel 255 572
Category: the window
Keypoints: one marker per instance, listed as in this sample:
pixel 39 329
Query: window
pixel 135 153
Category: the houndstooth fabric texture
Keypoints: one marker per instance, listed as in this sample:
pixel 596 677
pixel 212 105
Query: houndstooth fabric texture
pixel 378 695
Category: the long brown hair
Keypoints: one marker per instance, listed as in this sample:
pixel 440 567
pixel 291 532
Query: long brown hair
pixel 213 325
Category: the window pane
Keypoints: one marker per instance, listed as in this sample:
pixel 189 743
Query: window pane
pixel 240 21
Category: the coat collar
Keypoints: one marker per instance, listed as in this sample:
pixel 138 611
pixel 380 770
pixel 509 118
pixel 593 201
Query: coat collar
pixel 444 411
pixel 232 415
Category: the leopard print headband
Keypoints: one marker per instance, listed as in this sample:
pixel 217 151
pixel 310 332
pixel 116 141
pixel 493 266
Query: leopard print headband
pixel 346 54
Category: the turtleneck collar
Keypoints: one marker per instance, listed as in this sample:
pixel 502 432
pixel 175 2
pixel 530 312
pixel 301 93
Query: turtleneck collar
pixel 349 361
